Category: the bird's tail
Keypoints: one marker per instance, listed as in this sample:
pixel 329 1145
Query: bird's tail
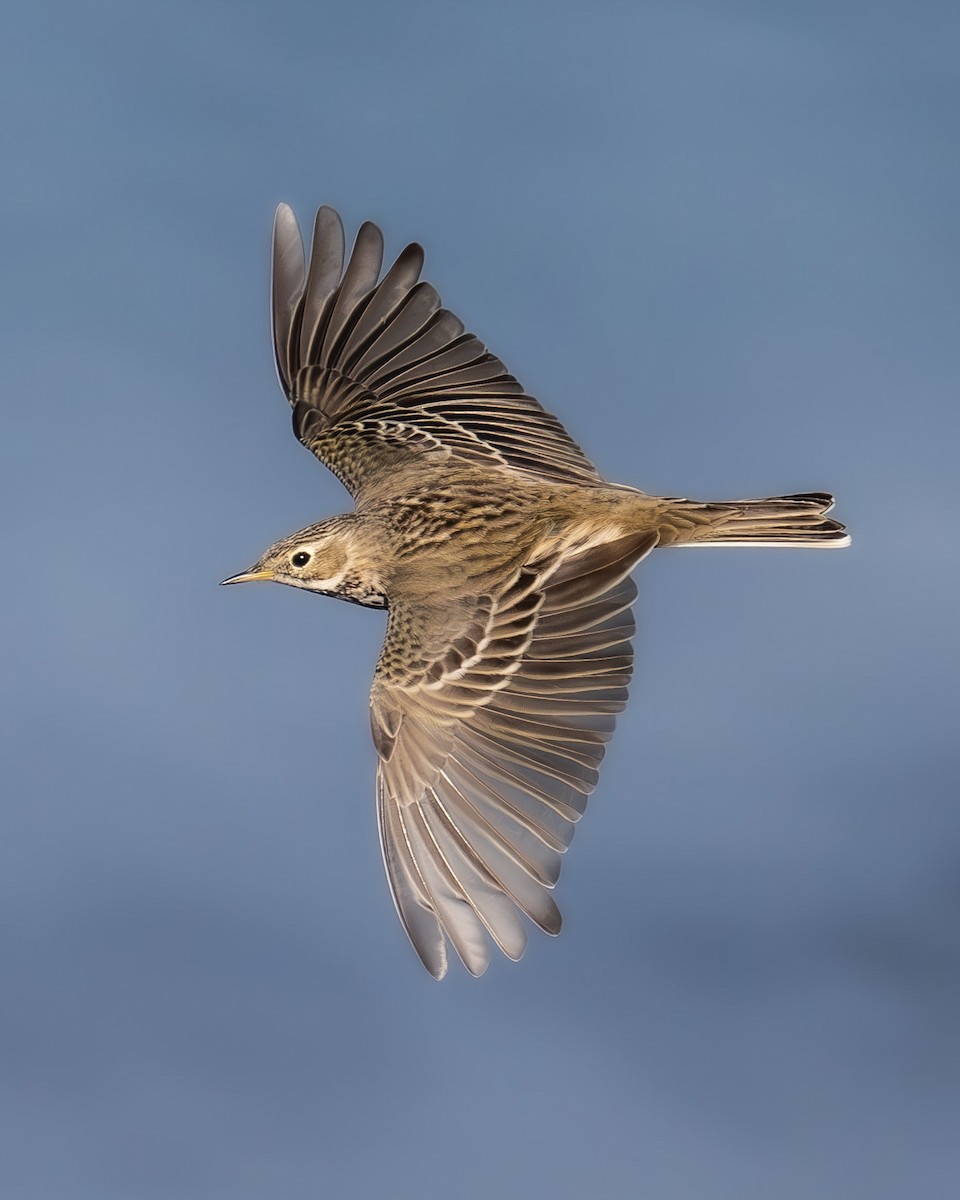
pixel 799 520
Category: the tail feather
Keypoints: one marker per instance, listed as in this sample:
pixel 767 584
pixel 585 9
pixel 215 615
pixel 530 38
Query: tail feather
pixel 798 520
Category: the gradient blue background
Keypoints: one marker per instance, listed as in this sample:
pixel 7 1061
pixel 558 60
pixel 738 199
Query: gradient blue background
pixel 720 241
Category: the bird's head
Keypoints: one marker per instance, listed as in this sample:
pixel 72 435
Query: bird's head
pixel 329 558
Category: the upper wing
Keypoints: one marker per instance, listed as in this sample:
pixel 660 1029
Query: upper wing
pixel 490 731
pixel 379 374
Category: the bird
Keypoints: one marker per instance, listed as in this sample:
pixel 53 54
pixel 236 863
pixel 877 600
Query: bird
pixel 504 561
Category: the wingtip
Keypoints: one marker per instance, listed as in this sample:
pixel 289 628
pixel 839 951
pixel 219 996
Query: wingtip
pixel 288 254
pixel 327 224
pixel 437 970
pixel 284 218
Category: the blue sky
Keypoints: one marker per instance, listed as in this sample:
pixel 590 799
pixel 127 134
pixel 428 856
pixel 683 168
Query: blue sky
pixel 720 242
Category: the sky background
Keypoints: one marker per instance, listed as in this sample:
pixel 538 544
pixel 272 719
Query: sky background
pixel 720 242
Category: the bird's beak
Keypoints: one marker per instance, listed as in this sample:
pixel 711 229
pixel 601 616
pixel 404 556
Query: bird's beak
pixel 248 577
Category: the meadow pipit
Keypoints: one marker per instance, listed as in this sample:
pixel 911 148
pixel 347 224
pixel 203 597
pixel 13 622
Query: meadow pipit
pixel 504 560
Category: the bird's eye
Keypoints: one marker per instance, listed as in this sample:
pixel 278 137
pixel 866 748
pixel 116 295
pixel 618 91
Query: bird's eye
pixel 300 559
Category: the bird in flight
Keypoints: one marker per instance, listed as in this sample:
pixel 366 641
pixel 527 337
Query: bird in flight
pixel 504 561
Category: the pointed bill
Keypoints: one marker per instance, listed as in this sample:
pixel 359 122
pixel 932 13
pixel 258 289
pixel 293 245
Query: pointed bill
pixel 253 576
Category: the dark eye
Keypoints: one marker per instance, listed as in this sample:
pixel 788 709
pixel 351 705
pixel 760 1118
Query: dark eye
pixel 300 559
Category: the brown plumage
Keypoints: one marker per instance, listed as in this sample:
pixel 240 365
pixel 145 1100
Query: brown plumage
pixel 504 560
